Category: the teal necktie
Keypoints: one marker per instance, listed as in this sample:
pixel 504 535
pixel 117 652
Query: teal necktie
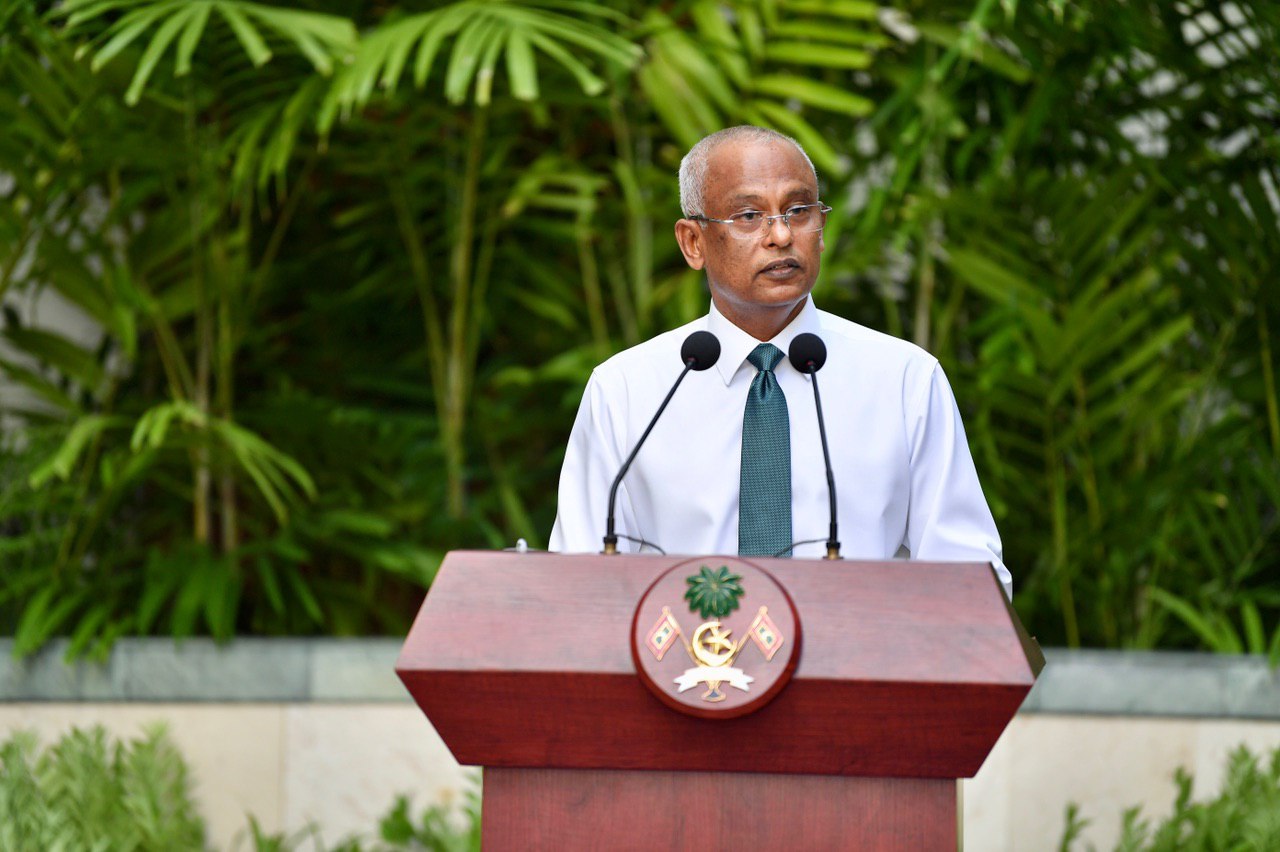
pixel 764 500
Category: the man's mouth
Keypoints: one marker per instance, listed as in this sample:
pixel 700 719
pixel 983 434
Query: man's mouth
pixel 781 268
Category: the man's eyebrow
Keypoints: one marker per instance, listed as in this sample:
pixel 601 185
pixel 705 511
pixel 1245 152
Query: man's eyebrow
pixel 752 198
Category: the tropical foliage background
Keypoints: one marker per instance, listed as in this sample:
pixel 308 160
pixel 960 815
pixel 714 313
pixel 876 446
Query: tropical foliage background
pixel 345 266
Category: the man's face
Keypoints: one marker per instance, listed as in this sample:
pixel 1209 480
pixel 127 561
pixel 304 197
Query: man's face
pixel 759 282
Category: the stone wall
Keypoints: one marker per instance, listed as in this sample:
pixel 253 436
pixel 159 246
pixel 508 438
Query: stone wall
pixel 321 731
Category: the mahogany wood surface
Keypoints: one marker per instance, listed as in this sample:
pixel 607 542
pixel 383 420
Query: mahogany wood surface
pixel 575 809
pixel 908 669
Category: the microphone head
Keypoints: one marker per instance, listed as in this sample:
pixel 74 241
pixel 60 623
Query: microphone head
pixel 701 350
pixel 807 353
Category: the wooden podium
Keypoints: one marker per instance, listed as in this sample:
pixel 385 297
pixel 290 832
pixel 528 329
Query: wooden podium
pixel 908 673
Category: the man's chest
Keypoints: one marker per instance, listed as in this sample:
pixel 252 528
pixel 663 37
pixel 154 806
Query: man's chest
pixel 692 460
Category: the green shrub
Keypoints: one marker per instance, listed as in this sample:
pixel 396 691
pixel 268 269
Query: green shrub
pixel 87 793
pixel 1244 817
pixel 436 829
pixel 439 828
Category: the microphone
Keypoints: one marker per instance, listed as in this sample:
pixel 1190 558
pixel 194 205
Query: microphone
pixel 700 351
pixel 807 354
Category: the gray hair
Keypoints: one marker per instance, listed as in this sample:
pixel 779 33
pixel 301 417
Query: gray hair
pixel 693 168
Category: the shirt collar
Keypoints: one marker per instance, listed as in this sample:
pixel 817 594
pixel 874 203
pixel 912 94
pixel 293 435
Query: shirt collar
pixel 736 344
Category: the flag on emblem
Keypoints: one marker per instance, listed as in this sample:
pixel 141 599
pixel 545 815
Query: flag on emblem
pixel 663 634
pixel 765 634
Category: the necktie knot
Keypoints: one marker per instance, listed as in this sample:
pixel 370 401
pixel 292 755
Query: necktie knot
pixel 765 357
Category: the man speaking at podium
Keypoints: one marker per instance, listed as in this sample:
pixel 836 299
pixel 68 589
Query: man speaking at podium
pixel 735 463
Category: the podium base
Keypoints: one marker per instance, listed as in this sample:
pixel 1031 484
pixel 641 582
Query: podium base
pixel 569 809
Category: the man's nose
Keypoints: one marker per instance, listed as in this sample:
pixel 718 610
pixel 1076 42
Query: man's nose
pixel 779 231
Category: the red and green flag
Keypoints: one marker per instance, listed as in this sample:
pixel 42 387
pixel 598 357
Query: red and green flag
pixel 765 634
pixel 663 635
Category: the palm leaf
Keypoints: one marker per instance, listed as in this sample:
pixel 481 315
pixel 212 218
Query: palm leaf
pixel 481 33
pixel 322 39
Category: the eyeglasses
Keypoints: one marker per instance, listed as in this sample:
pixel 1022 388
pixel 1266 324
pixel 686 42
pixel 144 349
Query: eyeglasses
pixel 804 218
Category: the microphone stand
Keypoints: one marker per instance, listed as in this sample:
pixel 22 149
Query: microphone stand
pixel 833 546
pixel 610 537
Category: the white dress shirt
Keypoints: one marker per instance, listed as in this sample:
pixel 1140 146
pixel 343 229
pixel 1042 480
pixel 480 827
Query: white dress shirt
pixel 905 482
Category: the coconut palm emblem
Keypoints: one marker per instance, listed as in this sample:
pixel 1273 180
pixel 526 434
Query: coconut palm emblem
pixel 713 595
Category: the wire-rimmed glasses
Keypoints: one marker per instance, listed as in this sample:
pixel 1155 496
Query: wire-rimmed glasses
pixel 803 218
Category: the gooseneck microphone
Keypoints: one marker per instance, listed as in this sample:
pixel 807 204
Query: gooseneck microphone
pixel 807 354
pixel 700 351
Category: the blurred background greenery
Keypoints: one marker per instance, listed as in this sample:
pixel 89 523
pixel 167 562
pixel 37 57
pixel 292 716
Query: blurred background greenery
pixel 346 265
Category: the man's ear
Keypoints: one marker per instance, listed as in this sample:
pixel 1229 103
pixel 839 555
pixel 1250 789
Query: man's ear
pixel 690 237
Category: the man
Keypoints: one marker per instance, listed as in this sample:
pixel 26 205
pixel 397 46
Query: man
pixel 735 463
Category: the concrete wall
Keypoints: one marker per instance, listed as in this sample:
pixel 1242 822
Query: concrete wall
pixel 299 732
pixel 44 309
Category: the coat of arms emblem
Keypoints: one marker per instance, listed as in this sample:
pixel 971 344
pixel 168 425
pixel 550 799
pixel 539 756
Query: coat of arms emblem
pixel 713 630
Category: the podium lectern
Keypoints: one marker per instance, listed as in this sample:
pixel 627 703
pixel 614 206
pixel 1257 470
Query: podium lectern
pixel 908 673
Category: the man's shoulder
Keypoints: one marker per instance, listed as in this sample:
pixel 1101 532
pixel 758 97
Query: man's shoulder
pixel 660 354
pixel 885 349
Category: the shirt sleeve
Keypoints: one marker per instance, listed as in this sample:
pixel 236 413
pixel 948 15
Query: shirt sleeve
pixel 591 461
pixel 948 518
